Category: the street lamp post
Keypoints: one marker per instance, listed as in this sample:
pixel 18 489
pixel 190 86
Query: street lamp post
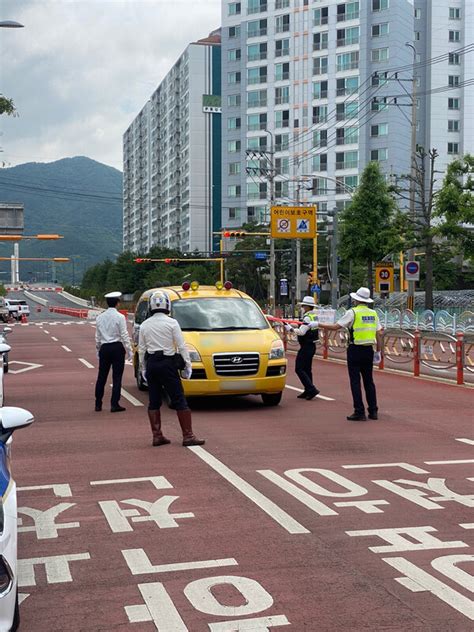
pixel 411 254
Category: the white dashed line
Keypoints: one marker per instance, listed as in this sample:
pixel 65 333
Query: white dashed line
pixel 85 363
pixel 66 348
pixel 468 441
pixel 45 331
pixel 130 398
pixel 53 338
pixel 300 390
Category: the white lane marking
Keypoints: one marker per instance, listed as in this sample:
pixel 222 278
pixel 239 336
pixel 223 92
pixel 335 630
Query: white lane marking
pixel 45 331
pixel 66 348
pixel 28 366
pixel 269 507
pixel 460 462
pixel 139 563
pixel 128 396
pixel 300 390
pixel 53 338
pixel 468 441
pixel 159 482
pixel 85 363
pixel 404 466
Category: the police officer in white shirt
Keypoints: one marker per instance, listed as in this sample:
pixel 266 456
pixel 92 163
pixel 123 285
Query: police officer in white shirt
pixel 159 342
pixel 111 340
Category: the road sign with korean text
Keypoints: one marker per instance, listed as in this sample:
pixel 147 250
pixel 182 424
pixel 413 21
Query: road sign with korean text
pixel 384 276
pixel 293 222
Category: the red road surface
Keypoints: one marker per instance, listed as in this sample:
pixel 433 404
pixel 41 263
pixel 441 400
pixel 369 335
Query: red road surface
pixel 288 534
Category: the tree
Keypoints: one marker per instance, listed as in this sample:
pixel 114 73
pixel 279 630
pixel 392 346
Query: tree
pixel 455 205
pixel 7 106
pixel 370 225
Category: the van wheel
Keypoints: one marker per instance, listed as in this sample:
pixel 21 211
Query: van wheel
pixel 271 399
pixel 139 379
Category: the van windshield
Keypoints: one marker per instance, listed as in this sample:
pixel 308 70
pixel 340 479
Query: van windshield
pixel 218 314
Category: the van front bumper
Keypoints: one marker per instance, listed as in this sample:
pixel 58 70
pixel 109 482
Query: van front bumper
pixel 234 386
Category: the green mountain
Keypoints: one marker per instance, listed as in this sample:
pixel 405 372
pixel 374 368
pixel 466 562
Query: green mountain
pixel 78 198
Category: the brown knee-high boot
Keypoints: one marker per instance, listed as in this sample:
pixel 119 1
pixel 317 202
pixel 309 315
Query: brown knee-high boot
pixel 185 422
pixel 155 422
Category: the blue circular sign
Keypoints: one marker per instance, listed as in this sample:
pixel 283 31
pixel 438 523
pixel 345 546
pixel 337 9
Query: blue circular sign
pixel 413 267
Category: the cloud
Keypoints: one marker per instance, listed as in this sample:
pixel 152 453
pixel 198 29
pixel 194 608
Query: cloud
pixel 81 70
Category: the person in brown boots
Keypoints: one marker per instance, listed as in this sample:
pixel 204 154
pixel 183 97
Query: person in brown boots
pixel 162 353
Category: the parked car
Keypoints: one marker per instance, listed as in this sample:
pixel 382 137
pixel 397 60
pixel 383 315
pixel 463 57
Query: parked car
pixel 4 311
pixel 234 350
pixel 11 418
pixel 17 308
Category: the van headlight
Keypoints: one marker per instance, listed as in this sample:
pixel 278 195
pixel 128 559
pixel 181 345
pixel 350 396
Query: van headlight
pixel 193 353
pixel 277 350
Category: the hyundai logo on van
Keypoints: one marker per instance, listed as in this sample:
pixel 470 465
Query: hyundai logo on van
pixel 236 360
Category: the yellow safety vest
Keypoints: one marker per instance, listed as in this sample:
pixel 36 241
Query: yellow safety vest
pixel 364 328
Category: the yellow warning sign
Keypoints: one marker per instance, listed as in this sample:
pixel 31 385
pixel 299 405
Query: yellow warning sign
pixel 293 222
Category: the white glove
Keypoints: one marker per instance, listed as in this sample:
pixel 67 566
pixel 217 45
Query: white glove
pixel 187 372
pixel 143 372
pixel 288 327
pixel 377 357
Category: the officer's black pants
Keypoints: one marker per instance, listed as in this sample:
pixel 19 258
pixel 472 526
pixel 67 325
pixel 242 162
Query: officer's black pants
pixel 110 355
pixel 360 362
pixel 161 373
pixel 304 365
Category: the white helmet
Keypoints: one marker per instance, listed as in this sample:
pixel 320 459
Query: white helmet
pixel 160 300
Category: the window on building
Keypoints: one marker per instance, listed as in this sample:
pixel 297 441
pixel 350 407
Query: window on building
pixel 346 184
pixel 454 59
pixel 453 126
pixel 379 154
pixel 256 6
pixel 417 36
pixel 380 5
pixel 381 129
pixel 233 146
pixel 282 166
pixel 453 148
pixel 257 75
pixel 282 4
pixel 320 40
pixel 234 54
pixel 257 52
pixel 282 95
pixel 282 23
pixel 256 190
pixel 347 11
pixel 320 162
pixel 320 16
pixel 257 98
pixel 346 159
pixel 234 212
pixel 320 114
pixel 282 47
pixel 234 168
pixel 347 86
pixel 233 100
pixel 234 8
pixel 256 28
pixel 347 135
pixel 256 122
pixel 282 142
pixel 348 36
pixel 347 61
pixel 233 190
pixel 417 14
pixel 453 80
pixel 320 138
pixel 454 13
pixel 320 90
pixel 379 104
pixel 454 36
pixel 320 65
pixel 282 118
pixel 320 187
pixel 233 77
pixel 282 71
pixel 281 188
pixel 257 143
pixel 454 103
pixel 379 54
pixel 380 30
pixel 233 122
pixel 234 31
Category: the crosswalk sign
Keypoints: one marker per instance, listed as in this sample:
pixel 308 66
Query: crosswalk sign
pixel 302 226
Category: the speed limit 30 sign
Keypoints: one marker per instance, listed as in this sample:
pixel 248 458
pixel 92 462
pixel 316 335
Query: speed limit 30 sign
pixel 384 277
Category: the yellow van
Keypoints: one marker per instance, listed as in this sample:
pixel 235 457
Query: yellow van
pixel 233 348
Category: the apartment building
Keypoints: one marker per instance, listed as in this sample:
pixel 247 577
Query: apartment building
pixel 316 83
pixel 172 157
pixel 443 30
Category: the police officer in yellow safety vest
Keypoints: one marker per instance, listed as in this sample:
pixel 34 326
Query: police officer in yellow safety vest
pixel 364 332
pixel 307 334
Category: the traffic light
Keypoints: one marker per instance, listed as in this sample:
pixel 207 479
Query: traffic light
pixel 235 233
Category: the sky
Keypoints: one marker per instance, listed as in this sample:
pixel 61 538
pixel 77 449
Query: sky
pixel 81 70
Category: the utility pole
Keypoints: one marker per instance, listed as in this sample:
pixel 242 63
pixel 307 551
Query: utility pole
pixel 411 253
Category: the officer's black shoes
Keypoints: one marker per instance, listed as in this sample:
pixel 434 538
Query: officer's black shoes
pixel 302 395
pixel 117 409
pixel 98 408
pixel 193 441
pixel 160 441
pixel 356 417
pixel 373 416
pixel 312 394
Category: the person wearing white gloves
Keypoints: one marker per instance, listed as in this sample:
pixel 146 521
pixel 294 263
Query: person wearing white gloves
pixel 162 350
pixel 307 334
pixel 365 331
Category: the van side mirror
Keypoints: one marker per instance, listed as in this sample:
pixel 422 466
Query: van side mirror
pixel 7 330
pixel 12 417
